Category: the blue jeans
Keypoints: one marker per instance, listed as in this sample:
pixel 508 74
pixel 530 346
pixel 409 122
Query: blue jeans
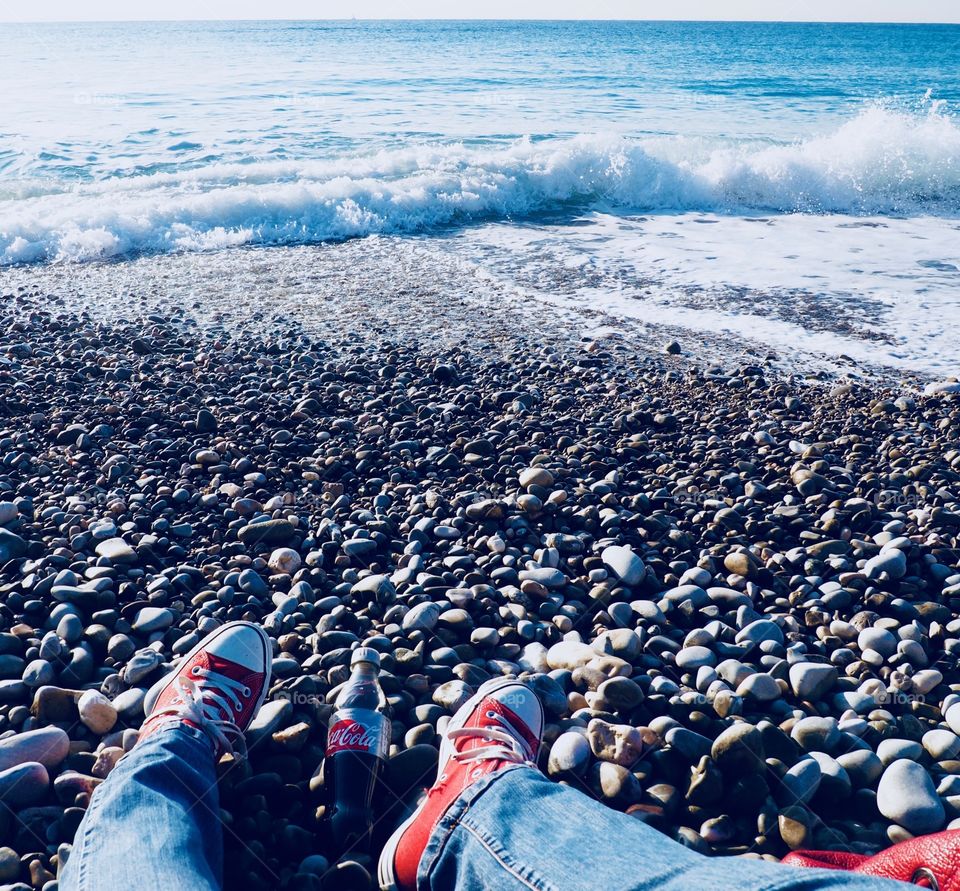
pixel 154 826
pixel 154 823
pixel 516 831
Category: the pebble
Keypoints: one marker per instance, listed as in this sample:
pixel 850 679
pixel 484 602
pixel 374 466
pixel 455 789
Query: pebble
pixel 129 704
pixel 862 766
pixel 715 577
pixel 47 745
pixel 620 694
pixel 811 681
pixel 140 665
pixel 12 546
pixel 116 550
pixel 378 585
pixel 53 704
pixel 253 583
pixel 879 640
pixel 941 745
pixel 285 560
pixel 692 746
pixel 452 695
pixel 152 618
pixel 795 825
pixel 620 642
pixel 615 784
pixel 270 717
pixel 536 476
pixel 70 628
pixel 9 865
pixel 800 782
pixel 738 750
pixel 952 716
pixel 761 687
pixel 569 754
pixel 759 631
pixel 906 795
pixel 816 734
pixel 835 782
pixel 23 784
pixel 893 563
pixel 268 532
pixel 623 564
pixel 422 617
pixel 694 657
pixel 936 388
pixel 570 655
pixel 39 673
pixel 97 712
pixel 617 743
pixel 890 750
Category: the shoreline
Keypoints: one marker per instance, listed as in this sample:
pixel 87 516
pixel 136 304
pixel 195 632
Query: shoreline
pixel 403 288
pixel 785 546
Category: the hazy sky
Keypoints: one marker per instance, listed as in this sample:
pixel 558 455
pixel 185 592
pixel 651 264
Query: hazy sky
pixel 767 10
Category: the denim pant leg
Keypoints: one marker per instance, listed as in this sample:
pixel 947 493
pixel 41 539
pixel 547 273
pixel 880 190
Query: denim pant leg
pixel 517 830
pixel 154 823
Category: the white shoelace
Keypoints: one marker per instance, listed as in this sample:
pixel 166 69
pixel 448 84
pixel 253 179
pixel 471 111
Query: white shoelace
pixel 511 747
pixel 204 703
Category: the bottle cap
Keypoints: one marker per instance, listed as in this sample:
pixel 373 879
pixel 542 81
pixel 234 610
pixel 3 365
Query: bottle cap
pixel 365 654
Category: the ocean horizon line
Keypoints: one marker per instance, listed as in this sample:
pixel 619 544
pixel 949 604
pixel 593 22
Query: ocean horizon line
pixel 455 20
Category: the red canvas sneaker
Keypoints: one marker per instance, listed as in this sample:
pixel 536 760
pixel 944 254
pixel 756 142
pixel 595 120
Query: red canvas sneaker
pixel 930 861
pixel 499 726
pixel 218 687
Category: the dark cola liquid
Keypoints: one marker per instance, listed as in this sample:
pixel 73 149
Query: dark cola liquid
pixel 356 746
pixel 351 777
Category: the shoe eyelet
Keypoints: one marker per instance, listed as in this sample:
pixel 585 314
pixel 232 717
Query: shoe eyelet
pixel 247 692
pixel 925 878
pixel 239 707
pixel 491 714
pixel 195 671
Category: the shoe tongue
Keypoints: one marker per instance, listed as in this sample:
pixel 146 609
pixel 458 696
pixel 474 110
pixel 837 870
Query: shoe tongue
pixel 223 666
pixel 215 695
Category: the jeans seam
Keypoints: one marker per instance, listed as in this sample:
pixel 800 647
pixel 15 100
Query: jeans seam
pixel 540 886
pixel 92 808
pixel 442 832
pixel 439 837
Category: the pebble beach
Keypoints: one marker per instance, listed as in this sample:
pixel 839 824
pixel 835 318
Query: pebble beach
pixel 734 584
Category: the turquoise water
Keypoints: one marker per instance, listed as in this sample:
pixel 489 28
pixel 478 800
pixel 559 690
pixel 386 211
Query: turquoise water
pixel 123 138
pixel 794 184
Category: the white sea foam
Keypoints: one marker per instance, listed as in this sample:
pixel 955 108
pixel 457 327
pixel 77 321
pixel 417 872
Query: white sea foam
pixel 880 162
pixel 884 291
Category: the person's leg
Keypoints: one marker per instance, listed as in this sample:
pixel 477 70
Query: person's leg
pixel 492 821
pixel 515 830
pixel 154 824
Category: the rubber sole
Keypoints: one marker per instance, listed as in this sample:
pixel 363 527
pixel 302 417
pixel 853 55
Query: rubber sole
pixel 386 875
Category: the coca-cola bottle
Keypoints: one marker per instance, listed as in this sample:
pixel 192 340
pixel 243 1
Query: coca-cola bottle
pixel 357 744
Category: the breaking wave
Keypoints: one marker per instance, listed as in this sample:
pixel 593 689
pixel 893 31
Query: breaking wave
pixel 879 162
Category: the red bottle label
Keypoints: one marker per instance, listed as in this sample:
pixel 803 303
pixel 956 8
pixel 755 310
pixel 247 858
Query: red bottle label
pixel 356 730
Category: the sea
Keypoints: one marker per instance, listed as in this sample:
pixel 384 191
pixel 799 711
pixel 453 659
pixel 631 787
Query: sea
pixel 795 184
